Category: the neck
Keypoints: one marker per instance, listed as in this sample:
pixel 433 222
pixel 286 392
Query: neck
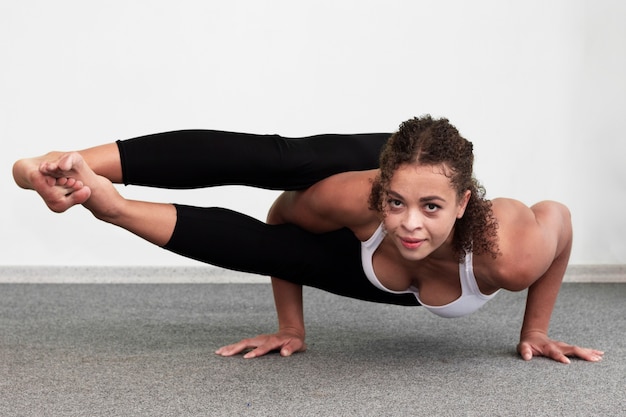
pixel 445 252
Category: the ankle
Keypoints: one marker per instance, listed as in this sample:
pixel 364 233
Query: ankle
pixel 105 203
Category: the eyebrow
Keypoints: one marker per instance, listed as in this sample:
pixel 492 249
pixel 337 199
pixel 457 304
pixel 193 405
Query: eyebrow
pixel 432 198
pixel 424 199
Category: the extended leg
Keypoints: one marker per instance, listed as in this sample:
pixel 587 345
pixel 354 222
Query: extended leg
pixel 229 239
pixel 202 158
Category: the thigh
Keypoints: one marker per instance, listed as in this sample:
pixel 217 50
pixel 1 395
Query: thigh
pixel 330 261
pixel 204 158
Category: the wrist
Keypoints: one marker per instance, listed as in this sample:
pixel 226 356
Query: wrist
pixel 532 332
pixel 292 330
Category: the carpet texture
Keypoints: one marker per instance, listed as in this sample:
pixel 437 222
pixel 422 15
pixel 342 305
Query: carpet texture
pixel 147 350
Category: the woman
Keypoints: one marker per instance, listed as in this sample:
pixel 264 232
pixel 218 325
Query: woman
pixel 426 237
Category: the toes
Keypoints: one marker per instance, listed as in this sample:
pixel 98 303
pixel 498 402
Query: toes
pixel 70 161
pixel 81 195
pixel 59 204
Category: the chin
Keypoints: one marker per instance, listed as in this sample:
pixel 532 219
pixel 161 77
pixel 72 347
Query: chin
pixel 414 255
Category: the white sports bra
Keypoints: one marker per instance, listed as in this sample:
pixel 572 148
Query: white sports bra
pixel 471 298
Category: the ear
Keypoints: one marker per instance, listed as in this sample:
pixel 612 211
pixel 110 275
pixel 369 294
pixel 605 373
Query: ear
pixel 463 203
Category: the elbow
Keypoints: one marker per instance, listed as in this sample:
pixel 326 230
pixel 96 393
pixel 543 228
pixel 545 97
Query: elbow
pixel 273 215
pixel 277 214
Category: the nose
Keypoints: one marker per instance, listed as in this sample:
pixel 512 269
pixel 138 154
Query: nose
pixel 413 220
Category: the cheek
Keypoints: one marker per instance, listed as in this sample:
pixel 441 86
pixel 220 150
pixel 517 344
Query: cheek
pixel 443 226
pixel 390 222
pixel 450 225
pixel 393 221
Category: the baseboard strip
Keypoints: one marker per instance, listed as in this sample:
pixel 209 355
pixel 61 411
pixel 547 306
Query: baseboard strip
pixel 214 275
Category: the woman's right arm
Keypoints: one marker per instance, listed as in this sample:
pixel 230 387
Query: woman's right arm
pixel 336 202
pixel 290 336
pixel 288 300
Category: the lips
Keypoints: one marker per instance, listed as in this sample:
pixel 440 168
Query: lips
pixel 410 243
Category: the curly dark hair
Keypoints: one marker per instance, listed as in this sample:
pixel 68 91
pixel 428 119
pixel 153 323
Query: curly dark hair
pixel 429 141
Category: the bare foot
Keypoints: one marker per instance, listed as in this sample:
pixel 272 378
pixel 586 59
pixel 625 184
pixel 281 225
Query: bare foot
pixel 64 180
pixel 58 192
pixel 102 200
pixel 25 169
pixel 67 180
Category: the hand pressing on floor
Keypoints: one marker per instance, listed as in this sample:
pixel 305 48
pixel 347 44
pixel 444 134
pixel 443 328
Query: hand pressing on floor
pixel 285 341
pixel 539 344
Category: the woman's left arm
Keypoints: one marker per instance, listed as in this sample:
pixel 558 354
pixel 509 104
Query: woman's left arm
pixel 541 243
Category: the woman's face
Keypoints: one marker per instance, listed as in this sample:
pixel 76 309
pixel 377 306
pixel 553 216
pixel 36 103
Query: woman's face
pixel 421 209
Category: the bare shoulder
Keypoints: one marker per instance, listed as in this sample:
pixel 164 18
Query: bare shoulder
pixel 335 202
pixel 517 220
pixel 509 212
pixel 527 239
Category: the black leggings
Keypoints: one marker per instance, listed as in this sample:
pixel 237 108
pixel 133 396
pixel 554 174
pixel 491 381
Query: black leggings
pixel 225 238
pixel 205 158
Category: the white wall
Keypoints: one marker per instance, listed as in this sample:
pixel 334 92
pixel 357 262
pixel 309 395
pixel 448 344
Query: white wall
pixel 538 86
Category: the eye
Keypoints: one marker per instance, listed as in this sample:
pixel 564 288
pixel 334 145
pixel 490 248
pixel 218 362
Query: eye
pixel 432 207
pixel 394 203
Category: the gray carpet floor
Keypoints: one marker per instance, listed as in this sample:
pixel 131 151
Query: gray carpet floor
pixel 147 350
